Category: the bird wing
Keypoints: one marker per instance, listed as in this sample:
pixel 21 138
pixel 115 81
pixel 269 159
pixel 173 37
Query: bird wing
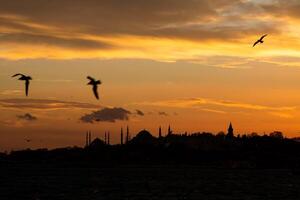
pixel 262 37
pixel 26 87
pixel 98 82
pixel 90 78
pixel 255 43
pixel 18 75
pixel 95 90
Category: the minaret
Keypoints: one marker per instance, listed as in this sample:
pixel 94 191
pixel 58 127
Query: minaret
pixel 86 139
pixel 159 132
pixel 127 135
pixel 108 138
pixel 121 136
pixel 230 131
pixel 169 130
pixel 90 135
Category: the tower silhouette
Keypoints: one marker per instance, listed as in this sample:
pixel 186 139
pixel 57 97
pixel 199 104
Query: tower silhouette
pixel 230 131
pixel 159 132
pixel 90 138
pixel 127 135
pixel 108 138
pixel 121 136
pixel 169 130
pixel 86 139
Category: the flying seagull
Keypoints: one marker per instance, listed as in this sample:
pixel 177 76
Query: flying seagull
pixel 260 40
pixel 26 79
pixel 95 84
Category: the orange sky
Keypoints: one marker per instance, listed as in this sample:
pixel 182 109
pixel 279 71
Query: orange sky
pixel 186 63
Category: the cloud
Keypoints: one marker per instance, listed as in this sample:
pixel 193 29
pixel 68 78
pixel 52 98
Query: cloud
pixel 213 111
pixel 198 102
pixel 165 30
pixel 47 40
pixel 223 106
pixel 10 92
pixel 290 8
pixel 110 16
pixel 189 19
pixel 106 115
pixel 162 113
pixel 27 117
pixel 44 104
pixel 138 112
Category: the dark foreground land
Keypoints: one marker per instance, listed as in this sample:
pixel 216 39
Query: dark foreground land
pixel 50 182
pixel 201 166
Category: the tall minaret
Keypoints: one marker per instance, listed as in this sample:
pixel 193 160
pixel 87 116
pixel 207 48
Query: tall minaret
pixel 169 130
pixel 230 131
pixel 108 138
pixel 121 136
pixel 127 135
pixel 159 132
pixel 90 135
pixel 86 139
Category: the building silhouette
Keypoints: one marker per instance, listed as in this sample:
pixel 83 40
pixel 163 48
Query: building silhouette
pixel 88 138
pixel 169 131
pixel 144 137
pixel 159 132
pixel 121 136
pixel 108 138
pixel 127 135
pixel 230 131
pixel 97 144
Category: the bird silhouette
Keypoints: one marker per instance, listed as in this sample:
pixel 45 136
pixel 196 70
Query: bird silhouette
pixel 27 140
pixel 260 40
pixel 95 84
pixel 26 79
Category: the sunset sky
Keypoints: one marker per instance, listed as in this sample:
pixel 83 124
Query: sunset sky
pixel 187 63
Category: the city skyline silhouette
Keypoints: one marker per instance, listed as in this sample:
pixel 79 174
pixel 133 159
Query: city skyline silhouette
pixel 156 99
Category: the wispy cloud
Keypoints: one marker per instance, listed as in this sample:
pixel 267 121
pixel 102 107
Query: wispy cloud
pixel 222 106
pixel 282 114
pixel 44 104
pixel 213 111
pixel 162 113
pixel 10 92
pixel 196 102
